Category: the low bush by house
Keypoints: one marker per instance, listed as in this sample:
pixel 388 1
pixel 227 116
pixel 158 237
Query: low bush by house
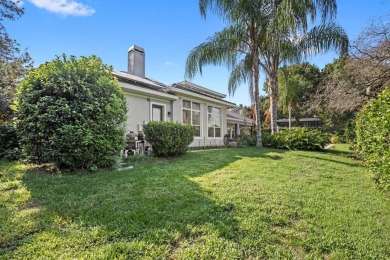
pixel 373 137
pixel 71 112
pixel 247 140
pixel 9 145
pixel 169 138
pixel 297 138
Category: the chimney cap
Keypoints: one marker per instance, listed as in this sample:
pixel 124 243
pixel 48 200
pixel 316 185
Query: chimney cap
pixel 136 48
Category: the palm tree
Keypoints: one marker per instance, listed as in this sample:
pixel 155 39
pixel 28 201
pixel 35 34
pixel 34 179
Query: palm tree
pixel 265 33
pixel 289 40
pixel 291 87
pixel 236 46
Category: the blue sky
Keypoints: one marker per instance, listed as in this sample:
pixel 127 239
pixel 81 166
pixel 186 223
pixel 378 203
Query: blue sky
pixel 167 30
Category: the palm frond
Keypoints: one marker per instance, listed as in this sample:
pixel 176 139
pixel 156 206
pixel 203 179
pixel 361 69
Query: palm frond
pixel 323 38
pixel 223 48
pixel 241 73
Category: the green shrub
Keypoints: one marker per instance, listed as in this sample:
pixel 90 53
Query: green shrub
pixel 169 138
pixel 296 139
pixel 247 140
pixel 269 140
pixel 71 112
pixel 349 132
pixel 334 139
pixel 373 137
pixel 9 145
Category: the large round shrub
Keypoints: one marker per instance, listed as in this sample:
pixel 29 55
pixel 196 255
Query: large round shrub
pixel 169 138
pixel 373 137
pixel 71 112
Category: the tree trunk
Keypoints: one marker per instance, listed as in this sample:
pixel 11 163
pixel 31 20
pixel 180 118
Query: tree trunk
pixel 273 96
pixel 259 141
pixel 252 96
pixel 289 116
pixel 255 81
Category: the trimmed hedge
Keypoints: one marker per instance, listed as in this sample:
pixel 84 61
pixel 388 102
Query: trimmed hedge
pixel 298 138
pixel 169 138
pixel 71 112
pixel 9 145
pixel 373 137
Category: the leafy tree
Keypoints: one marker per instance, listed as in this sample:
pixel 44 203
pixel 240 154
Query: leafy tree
pixel 290 86
pixel 297 82
pixel 351 82
pixel 13 62
pixel 71 112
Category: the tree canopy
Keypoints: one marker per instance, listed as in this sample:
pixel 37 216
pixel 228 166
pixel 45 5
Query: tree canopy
pixel 350 82
pixel 13 62
pixel 263 35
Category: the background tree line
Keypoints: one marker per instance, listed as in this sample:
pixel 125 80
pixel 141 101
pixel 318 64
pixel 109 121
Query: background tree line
pixel 339 90
pixel 14 62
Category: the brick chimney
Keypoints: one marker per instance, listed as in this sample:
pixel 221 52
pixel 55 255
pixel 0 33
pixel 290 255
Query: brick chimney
pixel 136 61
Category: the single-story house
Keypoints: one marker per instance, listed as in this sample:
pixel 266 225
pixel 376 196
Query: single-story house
pixel 184 102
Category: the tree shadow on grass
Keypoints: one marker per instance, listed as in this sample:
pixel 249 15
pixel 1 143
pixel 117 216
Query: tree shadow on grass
pixel 153 207
pixel 354 164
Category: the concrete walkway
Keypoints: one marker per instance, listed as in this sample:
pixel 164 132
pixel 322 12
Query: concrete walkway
pixel 328 146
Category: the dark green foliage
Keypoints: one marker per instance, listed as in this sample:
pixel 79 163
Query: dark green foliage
pixel 71 112
pixel 169 138
pixel 9 146
pixel 297 83
pixel 247 140
pixel 373 137
pixel 298 138
pixel 349 132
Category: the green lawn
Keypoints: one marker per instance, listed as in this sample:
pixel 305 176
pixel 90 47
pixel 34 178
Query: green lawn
pixel 226 204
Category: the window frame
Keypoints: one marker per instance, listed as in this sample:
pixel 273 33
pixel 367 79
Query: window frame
pixel 193 110
pixel 220 121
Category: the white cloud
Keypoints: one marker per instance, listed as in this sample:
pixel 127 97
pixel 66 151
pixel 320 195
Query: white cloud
pixel 18 2
pixel 168 63
pixel 64 7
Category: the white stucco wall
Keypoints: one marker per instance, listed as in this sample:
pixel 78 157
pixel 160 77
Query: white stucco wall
pixel 139 110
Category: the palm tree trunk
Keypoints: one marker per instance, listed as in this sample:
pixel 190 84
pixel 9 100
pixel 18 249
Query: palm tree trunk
pixel 255 79
pixel 252 96
pixel 259 141
pixel 273 96
pixel 289 116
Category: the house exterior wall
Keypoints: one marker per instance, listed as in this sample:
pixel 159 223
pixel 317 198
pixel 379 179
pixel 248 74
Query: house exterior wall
pixel 176 110
pixel 203 140
pixel 139 110
pixel 139 107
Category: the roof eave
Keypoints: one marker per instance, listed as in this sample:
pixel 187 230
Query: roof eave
pixel 187 93
pixel 146 92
